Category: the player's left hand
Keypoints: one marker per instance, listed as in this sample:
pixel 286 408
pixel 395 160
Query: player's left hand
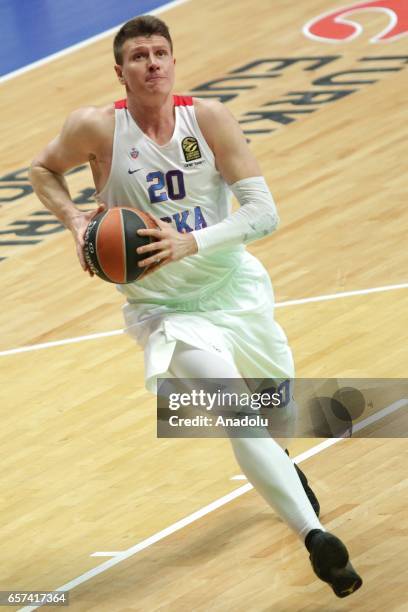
pixel 169 245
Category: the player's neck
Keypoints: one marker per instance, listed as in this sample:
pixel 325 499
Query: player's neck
pixel 155 118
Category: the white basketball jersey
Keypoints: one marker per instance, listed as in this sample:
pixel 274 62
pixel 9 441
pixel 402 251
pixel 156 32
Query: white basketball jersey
pixel 177 182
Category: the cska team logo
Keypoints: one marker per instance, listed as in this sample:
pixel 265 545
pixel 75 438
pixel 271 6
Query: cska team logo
pixel 337 27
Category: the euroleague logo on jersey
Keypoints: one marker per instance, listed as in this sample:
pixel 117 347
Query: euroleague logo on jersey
pixel 190 148
pixel 337 27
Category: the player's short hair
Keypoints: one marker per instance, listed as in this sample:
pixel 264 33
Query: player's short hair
pixel 145 25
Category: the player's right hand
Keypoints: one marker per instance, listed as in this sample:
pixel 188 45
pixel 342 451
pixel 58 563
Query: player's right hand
pixel 78 226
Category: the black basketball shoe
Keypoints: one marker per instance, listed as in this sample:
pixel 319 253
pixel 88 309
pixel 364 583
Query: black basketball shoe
pixel 330 562
pixel 310 494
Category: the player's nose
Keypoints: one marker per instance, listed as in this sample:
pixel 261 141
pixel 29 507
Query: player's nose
pixel 153 63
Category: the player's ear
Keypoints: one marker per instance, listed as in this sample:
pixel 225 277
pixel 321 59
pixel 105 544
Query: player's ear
pixel 119 73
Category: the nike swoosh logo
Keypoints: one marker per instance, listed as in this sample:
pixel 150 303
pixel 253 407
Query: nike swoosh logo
pixel 133 171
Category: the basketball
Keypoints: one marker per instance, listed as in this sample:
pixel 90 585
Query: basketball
pixel 111 240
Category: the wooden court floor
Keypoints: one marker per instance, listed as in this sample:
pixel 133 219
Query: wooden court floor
pixel 82 469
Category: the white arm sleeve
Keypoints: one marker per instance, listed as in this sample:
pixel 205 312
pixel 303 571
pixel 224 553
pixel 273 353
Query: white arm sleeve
pixel 256 218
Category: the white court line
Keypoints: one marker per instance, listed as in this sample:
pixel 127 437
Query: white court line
pixel 149 541
pixel 116 332
pixel 37 347
pixel 335 296
pixel 218 503
pixel 83 43
pixel 357 427
pixel 380 414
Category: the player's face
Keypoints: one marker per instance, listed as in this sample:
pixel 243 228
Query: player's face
pixel 148 65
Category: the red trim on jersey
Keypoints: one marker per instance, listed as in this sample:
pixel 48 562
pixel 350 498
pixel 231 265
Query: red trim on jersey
pixel 121 103
pixel 177 101
pixel 182 100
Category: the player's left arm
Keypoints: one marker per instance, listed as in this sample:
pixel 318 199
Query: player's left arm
pixel 233 157
pixel 257 216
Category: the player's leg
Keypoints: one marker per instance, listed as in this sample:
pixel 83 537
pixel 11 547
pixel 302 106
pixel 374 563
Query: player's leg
pixel 275 355
pixel 273 475
pixel 262 460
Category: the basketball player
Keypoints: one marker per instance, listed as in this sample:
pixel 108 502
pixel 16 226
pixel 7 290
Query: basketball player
pixel 205 309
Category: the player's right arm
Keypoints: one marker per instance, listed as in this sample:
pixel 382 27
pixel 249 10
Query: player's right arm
pixel 75 145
